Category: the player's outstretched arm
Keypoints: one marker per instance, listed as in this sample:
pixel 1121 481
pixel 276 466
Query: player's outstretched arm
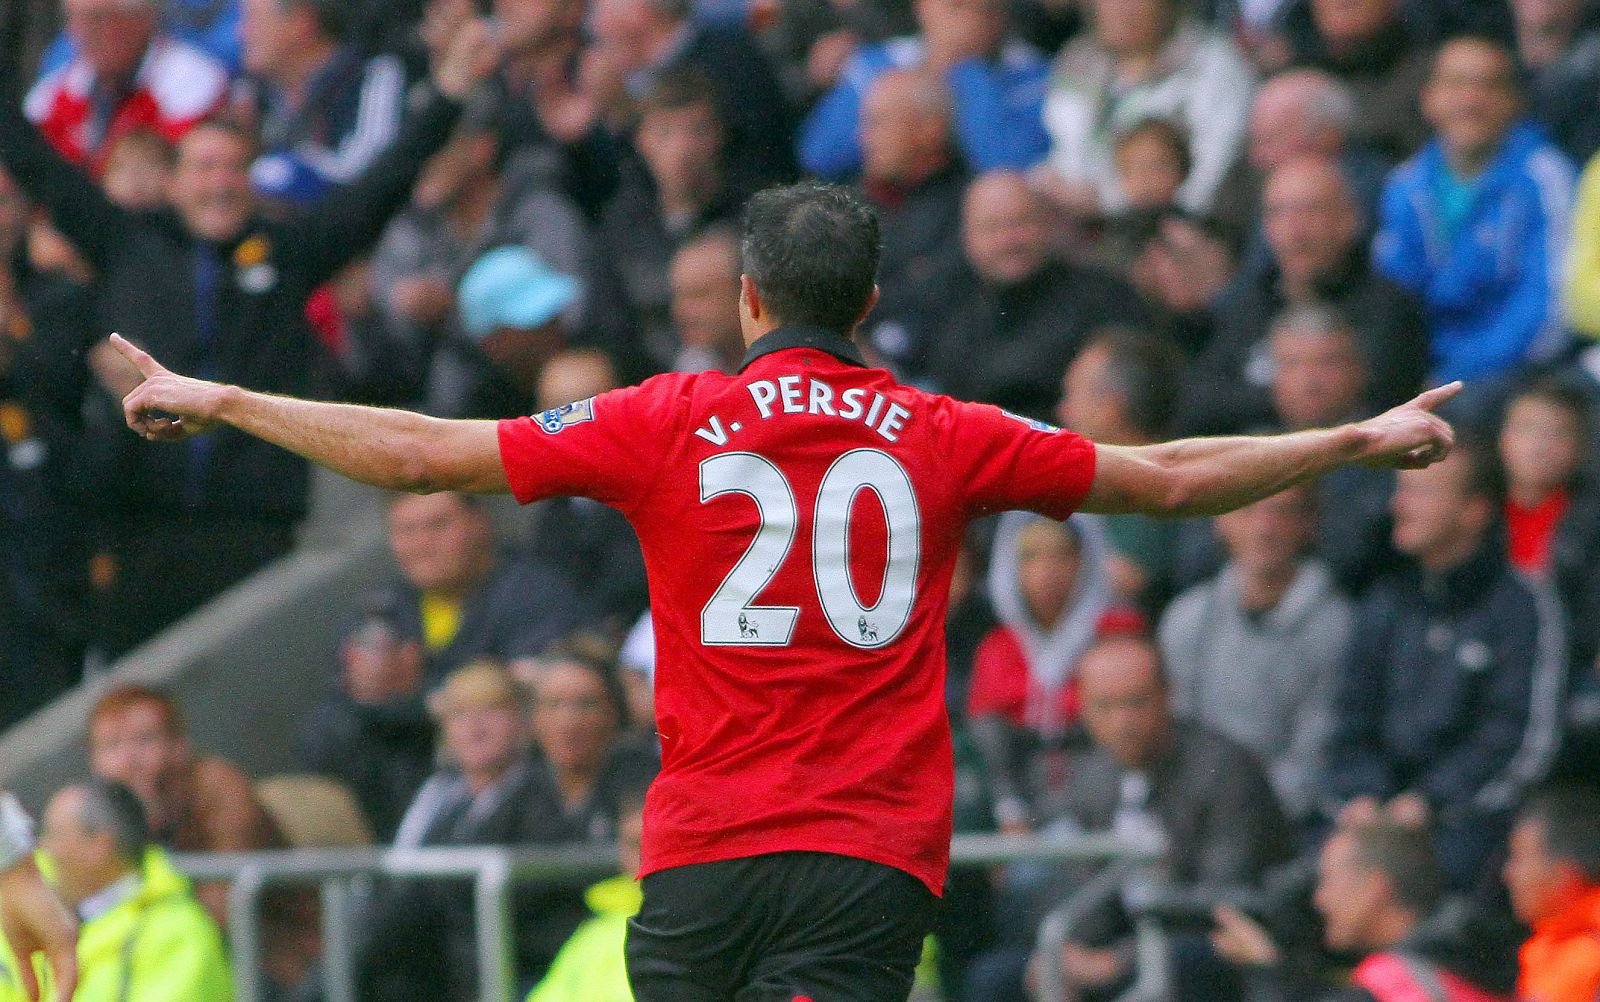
pixel 388 448
pixel 1208 476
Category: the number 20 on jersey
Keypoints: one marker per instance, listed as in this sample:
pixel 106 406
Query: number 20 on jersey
pixel 731 619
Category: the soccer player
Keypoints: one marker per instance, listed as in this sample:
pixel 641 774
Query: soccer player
pixel 800 522
pixel 32 918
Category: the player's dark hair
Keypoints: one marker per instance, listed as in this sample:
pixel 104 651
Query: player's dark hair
pixel 812 252
pixel 113 809
pixel 1570 818
pixel 1404 855
pixel 1147 370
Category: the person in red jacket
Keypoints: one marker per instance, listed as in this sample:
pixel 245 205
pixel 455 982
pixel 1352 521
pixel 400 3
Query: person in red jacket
pixel 1553 873
pixel 127 76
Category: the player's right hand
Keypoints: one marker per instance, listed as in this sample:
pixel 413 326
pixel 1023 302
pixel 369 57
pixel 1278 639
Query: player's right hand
pixel 34 920
pixel 1411 436
pixel 166 407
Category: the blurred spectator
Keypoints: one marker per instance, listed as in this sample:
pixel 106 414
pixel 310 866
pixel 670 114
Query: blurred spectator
pixel 1048 584
pixel 677 185
pixel 419 936
pixel 1559 45
pixel 1319 380
pixel 1476 224
pixel 996 87
pixel 589 542
pixel 126 75
pixel 910 177
pixel 1551 516
pixel 1369 46
pixel 1310 113
pixel 44 597
pixel 325 110
pixel 1313 233
pixel 812 40
pixel 225 289
pixel 579 712
pixel 1144 59
pixel 510 305
pixel 138 171
pixel 1147 773
pixel 1152 163
pixel 1447 706
pixel 591 966
pixel 1008 340
pixel 1553 873
pixel 1121 389
pixel 472 197
pixel 373 732
pixel 1254 652
pixel 461 598
pixel 636 664
pixel 144 936
pixel 549 93
pixel 705 302
pixel 638 42
pixel 192 803
pixel 1381 896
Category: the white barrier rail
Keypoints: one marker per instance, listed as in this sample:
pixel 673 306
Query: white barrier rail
pixel 493 871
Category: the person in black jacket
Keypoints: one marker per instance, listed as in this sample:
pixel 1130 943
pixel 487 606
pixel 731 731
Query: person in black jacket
pixel 461 598
pixel 1447 707
pixel 1313 230
pixel 1010 342
pixel 373 731
pixel 216 284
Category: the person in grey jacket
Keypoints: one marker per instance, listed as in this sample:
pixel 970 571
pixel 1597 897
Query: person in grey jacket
pixel 1253 652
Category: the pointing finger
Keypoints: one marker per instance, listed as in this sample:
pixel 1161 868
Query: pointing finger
pixel 140 358
pixel 1431 399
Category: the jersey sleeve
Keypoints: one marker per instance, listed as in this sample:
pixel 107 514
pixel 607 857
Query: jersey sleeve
pixel 607 447
pixel 1012 462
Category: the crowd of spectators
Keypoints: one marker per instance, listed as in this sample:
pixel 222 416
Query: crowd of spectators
pixel 1362 714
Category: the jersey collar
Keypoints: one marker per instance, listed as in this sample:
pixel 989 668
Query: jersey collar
pixel 818 338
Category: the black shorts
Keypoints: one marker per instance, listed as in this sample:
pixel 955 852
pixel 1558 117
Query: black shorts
pixel 776 928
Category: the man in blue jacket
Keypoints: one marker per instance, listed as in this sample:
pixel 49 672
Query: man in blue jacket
pixel 997 85
pixel 1476 224
pixel 1446 708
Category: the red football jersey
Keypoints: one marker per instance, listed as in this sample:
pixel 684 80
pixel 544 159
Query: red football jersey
pixel 800 523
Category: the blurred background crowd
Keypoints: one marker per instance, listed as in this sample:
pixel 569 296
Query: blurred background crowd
pixel 1363 713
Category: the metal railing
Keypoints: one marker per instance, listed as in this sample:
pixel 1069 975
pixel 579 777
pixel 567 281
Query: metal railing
pixel 493 871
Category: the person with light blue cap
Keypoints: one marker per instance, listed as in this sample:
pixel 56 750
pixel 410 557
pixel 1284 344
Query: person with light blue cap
pixel 510 306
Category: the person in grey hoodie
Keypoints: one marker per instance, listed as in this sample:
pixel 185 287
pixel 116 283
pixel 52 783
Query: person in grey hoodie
pixel 1050 587
pixel 1254 652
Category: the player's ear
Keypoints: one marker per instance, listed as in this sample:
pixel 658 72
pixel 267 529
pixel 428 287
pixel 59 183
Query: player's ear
pixel 866 311
pixel 750 298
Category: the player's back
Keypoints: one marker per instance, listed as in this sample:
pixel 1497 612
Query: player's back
pixel 800 523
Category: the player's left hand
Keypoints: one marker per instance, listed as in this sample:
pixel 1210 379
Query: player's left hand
pixel 165 406
pixel 1411 436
